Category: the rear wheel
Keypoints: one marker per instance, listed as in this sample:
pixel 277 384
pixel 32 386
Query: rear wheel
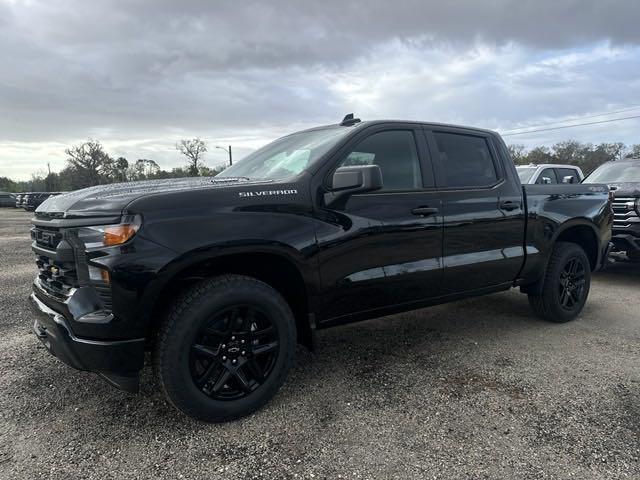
pixel 225 348
pixel 566 284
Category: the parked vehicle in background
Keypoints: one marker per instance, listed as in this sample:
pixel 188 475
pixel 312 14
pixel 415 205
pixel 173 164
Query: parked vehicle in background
pixel 33 200
pixel 623 178
pixel 319 228
pixel 549 173
pixel 19 198
pixel 7 199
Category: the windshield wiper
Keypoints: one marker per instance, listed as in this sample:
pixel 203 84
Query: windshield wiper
pixel 230 179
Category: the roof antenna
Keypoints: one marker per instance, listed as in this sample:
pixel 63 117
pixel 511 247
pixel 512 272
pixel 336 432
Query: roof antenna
pixel 348 120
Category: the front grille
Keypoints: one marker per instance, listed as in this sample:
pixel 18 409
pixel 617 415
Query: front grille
pixel 63 268
pixel 624 213
pixel 46 237
pixel 56 278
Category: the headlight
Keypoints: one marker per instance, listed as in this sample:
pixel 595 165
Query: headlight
pixel 109 235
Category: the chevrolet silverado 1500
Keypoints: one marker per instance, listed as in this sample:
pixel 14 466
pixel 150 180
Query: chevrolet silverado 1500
pixel 220 277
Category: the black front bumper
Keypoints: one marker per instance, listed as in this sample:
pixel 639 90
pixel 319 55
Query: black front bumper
pixel 625 242
pixel 117 361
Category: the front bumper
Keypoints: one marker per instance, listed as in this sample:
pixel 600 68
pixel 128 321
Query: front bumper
pixel 117 361
pixel 625 242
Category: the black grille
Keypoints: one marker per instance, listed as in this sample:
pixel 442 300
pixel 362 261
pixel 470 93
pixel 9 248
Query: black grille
pixel 46 237
pixel 58 260
pixel 57 279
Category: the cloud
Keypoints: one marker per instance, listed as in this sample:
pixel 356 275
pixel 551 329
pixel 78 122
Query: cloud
pixel 140 75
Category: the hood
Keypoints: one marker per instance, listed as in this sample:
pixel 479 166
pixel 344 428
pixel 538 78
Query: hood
pixel 109 200
pixel 626 189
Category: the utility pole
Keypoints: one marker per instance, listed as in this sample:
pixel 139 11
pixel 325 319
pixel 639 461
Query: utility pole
pixel 228 151
pixel 47 181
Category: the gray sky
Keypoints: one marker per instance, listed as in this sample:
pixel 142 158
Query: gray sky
pixel 140 75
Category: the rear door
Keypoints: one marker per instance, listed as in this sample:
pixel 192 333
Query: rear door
pixel 482 207
pixel 383 248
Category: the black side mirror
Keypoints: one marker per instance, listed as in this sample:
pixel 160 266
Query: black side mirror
pixel 568 179
pixel 348 181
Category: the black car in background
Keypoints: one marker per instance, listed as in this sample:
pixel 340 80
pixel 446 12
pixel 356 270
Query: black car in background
pixel 623 178
pixel 7 199
pixel 33 200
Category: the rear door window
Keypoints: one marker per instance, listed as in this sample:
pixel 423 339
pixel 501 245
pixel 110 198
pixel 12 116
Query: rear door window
pixel 466 160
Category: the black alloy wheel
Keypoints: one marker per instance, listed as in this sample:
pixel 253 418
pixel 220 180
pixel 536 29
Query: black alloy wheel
pixel 225 347
pixel 234 354
pixel 572 282
pixel 565 286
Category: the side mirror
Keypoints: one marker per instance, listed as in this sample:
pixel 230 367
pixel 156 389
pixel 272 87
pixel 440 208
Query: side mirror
pixel 347 181
pixel 546 181
pixel 568 179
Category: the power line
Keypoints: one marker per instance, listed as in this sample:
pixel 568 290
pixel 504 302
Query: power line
pixel 572 119
pixel 570 126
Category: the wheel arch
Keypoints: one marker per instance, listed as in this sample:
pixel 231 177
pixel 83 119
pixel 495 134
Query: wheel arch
pixel 578 231
pixel 276 269
pixel 584 234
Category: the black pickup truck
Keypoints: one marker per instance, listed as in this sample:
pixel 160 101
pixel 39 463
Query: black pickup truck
pixel 220 277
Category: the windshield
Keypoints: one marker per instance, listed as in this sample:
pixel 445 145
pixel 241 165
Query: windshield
pixel 288 156
pixel 615 172
pixel 525 173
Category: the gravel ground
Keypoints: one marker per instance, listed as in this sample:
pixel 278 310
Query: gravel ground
pixel 474 389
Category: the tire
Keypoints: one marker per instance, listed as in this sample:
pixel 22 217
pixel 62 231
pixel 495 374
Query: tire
pixel 225 348
pixel 562 299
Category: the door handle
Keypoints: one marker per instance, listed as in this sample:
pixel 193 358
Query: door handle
pixel 509 205
pixel 424 211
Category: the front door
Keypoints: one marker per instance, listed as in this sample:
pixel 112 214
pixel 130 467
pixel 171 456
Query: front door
pixel 383 248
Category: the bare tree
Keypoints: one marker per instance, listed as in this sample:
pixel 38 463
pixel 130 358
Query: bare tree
pixel 194 149
pixel 517 153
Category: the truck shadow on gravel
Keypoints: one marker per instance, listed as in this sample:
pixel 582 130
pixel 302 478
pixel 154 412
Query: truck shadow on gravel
pixel 620 273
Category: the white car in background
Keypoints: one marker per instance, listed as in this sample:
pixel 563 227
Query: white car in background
pixel 549 173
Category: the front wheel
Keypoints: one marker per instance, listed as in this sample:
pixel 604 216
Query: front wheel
pixel 225 348
pixel 566 284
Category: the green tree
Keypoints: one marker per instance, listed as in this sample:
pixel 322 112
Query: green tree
pixel 90 164
pixel 540 155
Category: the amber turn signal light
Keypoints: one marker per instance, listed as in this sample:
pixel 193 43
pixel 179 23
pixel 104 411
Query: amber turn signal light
pixel 106 277
pixel 118 234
